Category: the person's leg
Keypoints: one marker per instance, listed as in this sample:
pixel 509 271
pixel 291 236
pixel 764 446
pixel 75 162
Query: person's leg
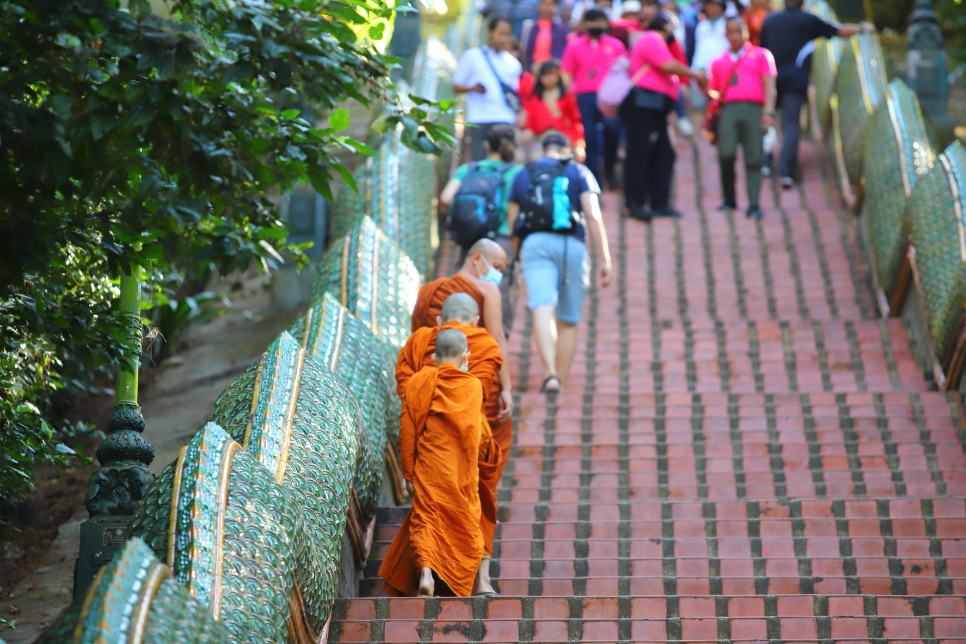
pixel 661 164
pixel 612 136
pixel 593 131
pixel 545 336
pixel 634 190
pixel 541 274
pixel 477 137
pixel 752 151
pixel 483 583
pixel 791 107
pixel 566 350
pixel 728 152
pixel 507 292
pixel 573 286
pixel 427 585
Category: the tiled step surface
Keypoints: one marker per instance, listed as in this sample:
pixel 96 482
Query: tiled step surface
pixel 744 453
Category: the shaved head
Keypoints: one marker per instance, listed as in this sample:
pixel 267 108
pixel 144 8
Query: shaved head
pixel 460 307
pixel 490 251
pixel 450 345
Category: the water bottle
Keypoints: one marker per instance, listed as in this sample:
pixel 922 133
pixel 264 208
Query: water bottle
pixel 561 204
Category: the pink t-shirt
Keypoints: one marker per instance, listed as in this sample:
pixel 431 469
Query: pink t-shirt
pixel 651 49
pixel 754 64
pixel 543 43
pixel 589 62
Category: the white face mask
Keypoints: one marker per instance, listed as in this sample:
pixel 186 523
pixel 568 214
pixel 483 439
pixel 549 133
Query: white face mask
pixel 492 275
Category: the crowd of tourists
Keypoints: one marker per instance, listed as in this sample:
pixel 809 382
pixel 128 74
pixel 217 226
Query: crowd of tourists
pixel 552 98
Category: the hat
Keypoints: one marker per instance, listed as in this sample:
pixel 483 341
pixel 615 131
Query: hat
pixel 555 139
pixel 630 6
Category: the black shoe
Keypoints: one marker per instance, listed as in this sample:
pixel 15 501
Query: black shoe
pixel 727 206
pixel 640 213
pixel 754 211
pixel 665 211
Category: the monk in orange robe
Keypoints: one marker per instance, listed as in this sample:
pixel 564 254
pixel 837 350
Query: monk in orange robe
pixel 477 279
pixel 440 432
pixel 460 312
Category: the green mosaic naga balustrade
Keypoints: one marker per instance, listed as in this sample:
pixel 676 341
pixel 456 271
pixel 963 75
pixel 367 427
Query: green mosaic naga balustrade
pixel 374 278
pixel 241 539
pixel 859 87
pixel 897 145
pixel 912 220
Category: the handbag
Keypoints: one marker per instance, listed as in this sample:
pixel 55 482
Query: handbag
pixel 616 86
pixel 648 99
pixel 510 95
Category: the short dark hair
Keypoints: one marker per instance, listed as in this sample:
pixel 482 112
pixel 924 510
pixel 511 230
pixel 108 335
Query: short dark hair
pixel 659 23
pixel 555 140
pixel 794 4
pixel 595 14
pixel 496 20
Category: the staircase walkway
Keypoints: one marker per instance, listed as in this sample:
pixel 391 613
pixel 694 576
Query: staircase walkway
pixel 745 452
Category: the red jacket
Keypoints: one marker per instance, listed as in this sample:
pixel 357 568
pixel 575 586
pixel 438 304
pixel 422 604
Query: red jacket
pixel 540 118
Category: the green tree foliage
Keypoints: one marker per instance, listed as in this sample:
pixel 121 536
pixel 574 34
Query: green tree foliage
pixel 952 18
pixel 131 139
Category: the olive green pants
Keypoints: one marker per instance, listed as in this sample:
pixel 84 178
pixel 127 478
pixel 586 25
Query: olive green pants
pixel 740 122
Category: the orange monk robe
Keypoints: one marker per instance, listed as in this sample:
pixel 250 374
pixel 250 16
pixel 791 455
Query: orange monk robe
pixel 440 429
pixel 484 363
pixel 431 296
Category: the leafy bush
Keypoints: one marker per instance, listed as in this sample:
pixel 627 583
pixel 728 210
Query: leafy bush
pixel 132 139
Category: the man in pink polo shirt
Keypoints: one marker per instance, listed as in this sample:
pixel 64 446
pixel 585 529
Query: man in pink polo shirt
pixel 743 81
pixel 586 62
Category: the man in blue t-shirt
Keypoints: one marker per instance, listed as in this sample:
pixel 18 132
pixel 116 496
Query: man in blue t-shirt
pixel 555 265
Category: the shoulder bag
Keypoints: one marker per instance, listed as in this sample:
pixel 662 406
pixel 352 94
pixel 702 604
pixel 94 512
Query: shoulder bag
pixel 510 95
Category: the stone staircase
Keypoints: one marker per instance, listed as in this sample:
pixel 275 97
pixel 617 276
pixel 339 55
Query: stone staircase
pixel 744 453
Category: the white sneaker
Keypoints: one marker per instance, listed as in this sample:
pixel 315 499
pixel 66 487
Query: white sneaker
pixel 685 127
pixel 788 183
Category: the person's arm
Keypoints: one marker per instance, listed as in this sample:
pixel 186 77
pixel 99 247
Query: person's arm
pixel 493 322
pixel 466 89
pixel 449 191
pixel 847 31
pixel 674 67
pixel 768 115
pixel 464 76
pixel 590 206
pixel 407 447
pixel 567 66
pixel 512 211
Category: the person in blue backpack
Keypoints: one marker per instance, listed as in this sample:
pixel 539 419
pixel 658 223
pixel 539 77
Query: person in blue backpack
pixel 553 208
pixel 476 197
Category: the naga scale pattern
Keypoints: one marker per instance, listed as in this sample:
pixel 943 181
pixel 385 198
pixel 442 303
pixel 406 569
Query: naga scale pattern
pixel 896 147
pixel 938 235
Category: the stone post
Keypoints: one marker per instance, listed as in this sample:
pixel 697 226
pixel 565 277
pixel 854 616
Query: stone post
pixel 117 486
pixel 926 68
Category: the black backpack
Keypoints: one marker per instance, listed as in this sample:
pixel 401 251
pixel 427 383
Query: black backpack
pixel 474 213
pixel 547 208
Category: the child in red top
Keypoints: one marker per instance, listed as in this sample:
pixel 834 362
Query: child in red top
pixel 549 108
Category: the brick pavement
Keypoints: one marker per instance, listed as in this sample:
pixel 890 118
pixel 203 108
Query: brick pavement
pixel 744 453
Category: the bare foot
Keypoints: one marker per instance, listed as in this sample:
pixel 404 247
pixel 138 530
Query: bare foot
pixel 483 585
pixel 427 585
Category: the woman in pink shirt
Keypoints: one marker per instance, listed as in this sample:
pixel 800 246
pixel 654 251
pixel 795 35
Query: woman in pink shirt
pixel 650 158
pixel 586 62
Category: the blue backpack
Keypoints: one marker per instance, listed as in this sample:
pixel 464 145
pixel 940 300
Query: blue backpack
pixel 474 213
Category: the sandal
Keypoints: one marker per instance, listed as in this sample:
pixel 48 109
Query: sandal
pixel 547 390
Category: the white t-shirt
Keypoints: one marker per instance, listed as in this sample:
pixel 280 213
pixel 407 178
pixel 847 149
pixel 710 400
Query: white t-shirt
pixel 472 68
pixel 709 42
